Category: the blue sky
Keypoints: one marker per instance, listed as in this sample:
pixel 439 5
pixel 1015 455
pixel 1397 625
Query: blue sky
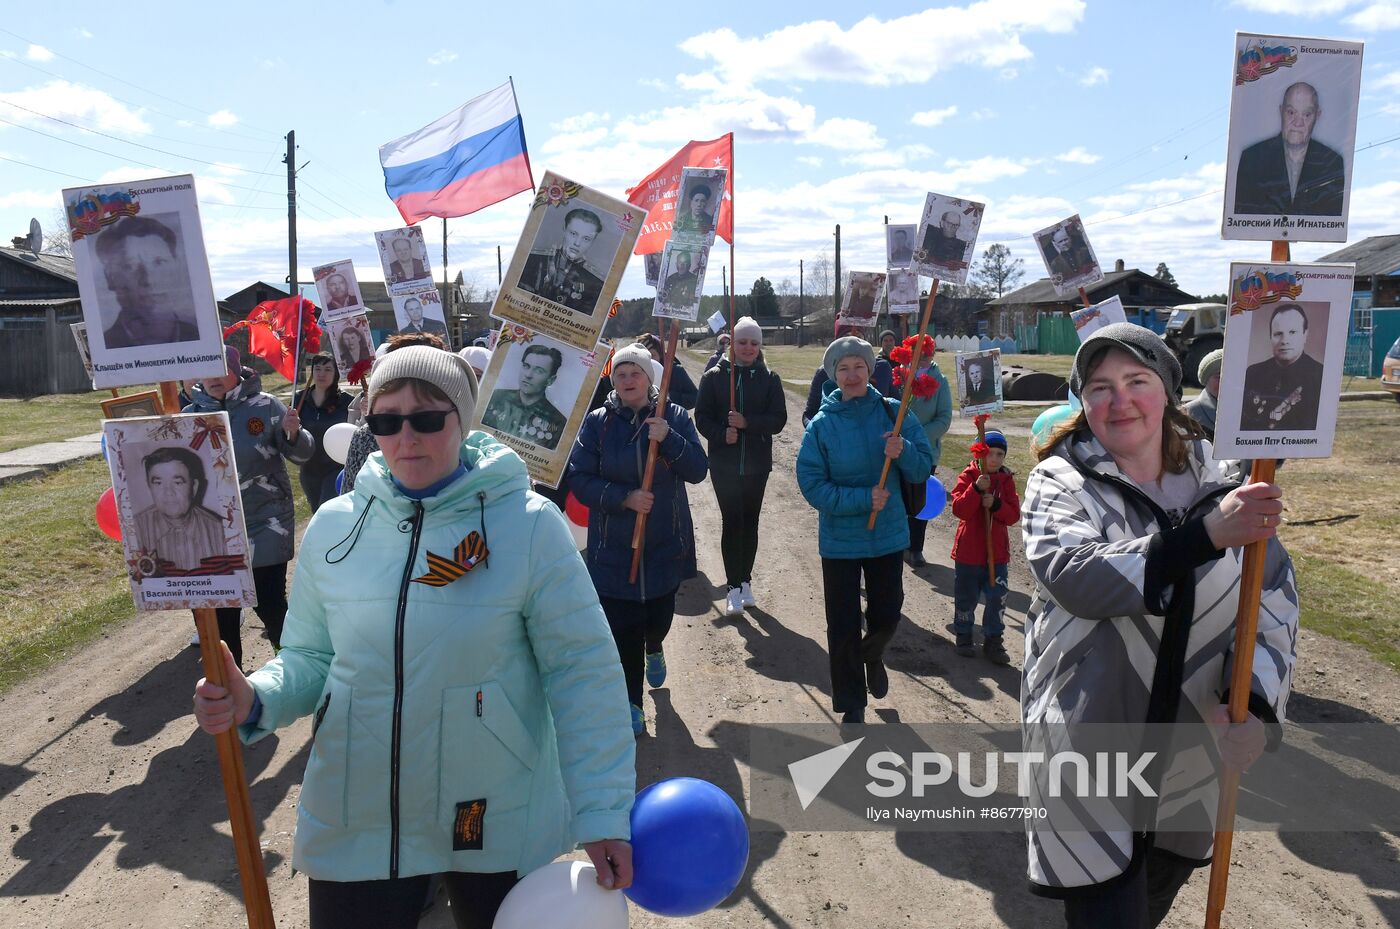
pixel 1041 108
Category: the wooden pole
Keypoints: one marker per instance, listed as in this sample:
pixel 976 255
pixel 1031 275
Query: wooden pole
pixel 251 872
pixel 639 531
pixel 1246 625
pixel 908 391
pixel 296 359
pixel 733 403
pixel 1084 297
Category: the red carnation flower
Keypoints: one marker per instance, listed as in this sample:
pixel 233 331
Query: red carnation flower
pixel 980 450
pixel 358 371
pixel 925 385
pixel 901 355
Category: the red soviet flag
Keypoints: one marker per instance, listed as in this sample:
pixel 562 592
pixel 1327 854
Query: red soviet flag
pixel 656 193
pixel 272 332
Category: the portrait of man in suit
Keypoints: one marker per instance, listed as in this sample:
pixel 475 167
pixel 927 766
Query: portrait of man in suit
pixel 405 267
pixel 1292 174
pixel 417 322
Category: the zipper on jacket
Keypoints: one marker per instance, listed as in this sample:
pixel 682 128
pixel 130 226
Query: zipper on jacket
pixel 397 732
pixel 320 715
pixel 642 562
pixel 739 404
pixel 478 704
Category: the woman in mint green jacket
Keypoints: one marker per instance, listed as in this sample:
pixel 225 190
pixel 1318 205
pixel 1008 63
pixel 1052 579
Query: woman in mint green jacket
pixel 469 713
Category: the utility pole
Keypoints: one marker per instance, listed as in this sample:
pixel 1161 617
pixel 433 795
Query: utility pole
pixel 291 161
pixel 801 309
pixel 836 287
pixel 498 267
pixel 447 291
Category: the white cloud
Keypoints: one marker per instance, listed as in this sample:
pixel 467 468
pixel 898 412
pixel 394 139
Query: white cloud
pixel 1095 75
pixel 813 160
pixel 567 141
pixel 889 158
pixel 1387 82
pixel 850 135
pixel 38 53
pixel 931 118
pixel 1079 156
pixel 222 119
pixel 442 57
pixel 984 113
pixel 1376 16
pixel 580 122
pixel 83 33
pixel 75 101
pixel 1370 15
pixel 30 200
pixel 1296 7
pixel 902 50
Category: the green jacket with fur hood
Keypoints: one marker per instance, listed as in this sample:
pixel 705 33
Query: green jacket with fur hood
pixel 498 692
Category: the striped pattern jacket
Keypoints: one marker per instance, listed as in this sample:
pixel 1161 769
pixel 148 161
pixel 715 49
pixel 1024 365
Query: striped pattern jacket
pixel 1124 598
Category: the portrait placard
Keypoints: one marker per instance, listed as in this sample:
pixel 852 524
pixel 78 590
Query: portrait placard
pixel 860 300
pixel 80 338
pixel 682 280
pixel 1088 320
pixel 979 381
pixel 352 341
pixel 1068 256
pixel 1285 343
pixel 943 246
pixel 1292 141
pixel 652 264
pixel 404 256
pixel 904 292
pixel 699 195
pixel 338 289
pixel 146 403
pixel 420 311
pixel 569 262
pixel 899 245
pixel 534 396
pixel 183 536
pixel 143 277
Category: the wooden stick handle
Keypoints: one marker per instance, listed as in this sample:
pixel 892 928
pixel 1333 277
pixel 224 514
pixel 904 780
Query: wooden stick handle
pixel 1084 297
pixel 908 392
pixel 1246 625
pixel 733 401
pixel 639 530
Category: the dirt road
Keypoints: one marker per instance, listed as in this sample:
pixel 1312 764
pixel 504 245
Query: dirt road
pixel 112 814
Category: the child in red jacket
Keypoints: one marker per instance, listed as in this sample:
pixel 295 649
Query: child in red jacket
pixel 975 495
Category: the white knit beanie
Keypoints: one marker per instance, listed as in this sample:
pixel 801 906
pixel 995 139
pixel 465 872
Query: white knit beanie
pixel 747 328
pixel 635 354
pixel 446 371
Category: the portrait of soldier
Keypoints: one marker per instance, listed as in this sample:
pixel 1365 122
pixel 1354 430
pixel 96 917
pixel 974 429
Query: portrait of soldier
pixel 901 251
pixel 695 218
pixel 562 273
pixel 1282 391
pixel 417 322
pixel 177 528
pixel 338 295
pixel 681 285
pixel 941 243
pixel 860 302
pixel 524 410
pixel 1291 174
pixel 142 269
pixel 1069 257
pixel 405 267
pixel 979 381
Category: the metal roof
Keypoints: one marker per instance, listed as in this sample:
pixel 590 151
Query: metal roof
pixel 1377 254
pixel 60 266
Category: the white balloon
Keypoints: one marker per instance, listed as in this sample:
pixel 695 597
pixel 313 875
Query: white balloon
pixel 336 441
pixel 580 534
pixel 562 895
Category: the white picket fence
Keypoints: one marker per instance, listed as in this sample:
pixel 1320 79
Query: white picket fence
pixel 970 343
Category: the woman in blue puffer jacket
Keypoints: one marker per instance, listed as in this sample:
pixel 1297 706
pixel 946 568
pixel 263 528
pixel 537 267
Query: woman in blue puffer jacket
pixel 469 716
pixel 605 474
pixel 838 470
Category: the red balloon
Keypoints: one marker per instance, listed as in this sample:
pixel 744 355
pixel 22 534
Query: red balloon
pixel 577 512
pixel 107 515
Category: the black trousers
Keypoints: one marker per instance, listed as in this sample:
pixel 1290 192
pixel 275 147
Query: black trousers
pixel 1139 901
pixel 270 581
pixel 915 496
pixel 319 486
pixel 397 903
pixel 847 648
pixel 638 627
pixel 740 498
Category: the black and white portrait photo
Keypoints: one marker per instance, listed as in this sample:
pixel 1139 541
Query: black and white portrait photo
pixel 903 292
pixel 1068 256
pixel 979 381
pixel 404 257
pixel 860 299
pixel 681 281
pixel 420 311
pixel 351 341
pixel 946 237
pixel 1293 109
pixel 143 277
pixel 698 200
pixel 338 289
pixel 899 245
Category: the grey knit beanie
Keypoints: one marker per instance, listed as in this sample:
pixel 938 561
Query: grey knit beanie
pixel 1210 365
pixel 447 371
pixel 843 347
pixel 635 354
pixel 1143 344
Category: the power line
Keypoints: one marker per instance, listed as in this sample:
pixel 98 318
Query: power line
pixel 88 180
pixel 108 135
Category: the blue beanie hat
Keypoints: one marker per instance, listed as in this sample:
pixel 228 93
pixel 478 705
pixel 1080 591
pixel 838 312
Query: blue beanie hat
pixel 995 439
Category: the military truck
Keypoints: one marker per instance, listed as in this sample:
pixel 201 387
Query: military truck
pixel 1194 330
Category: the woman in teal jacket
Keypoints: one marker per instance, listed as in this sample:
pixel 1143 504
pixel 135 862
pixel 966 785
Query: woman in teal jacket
pixel 470 717
pixel 838 468
pixel 935 415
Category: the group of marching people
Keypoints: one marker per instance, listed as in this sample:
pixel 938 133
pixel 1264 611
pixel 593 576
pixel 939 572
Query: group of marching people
pixel 476 686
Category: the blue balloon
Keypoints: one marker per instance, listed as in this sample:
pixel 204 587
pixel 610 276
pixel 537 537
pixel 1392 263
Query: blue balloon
pixel 935 498
pixel 1046 422
pixel 690 845
pixel 340 481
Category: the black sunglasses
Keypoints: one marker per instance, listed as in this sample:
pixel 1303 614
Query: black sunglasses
pixel 424 421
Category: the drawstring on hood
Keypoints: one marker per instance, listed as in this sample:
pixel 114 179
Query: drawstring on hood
pixel 352 536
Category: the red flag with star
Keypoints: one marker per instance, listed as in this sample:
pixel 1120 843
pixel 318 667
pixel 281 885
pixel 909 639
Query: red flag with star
pixel 657 192
pixel 272 332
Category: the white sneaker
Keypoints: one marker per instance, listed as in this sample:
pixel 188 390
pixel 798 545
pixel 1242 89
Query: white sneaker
pixel 734 602
pixel 746 592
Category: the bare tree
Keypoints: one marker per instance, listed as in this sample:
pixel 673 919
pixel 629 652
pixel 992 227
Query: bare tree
pixel 56 241
pixel 819 278
pixel 997 272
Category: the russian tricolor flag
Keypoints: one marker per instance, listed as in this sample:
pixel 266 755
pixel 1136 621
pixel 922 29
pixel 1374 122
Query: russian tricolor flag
pixel 467 160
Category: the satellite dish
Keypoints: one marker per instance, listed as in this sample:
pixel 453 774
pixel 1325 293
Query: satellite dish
pixel 36 237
